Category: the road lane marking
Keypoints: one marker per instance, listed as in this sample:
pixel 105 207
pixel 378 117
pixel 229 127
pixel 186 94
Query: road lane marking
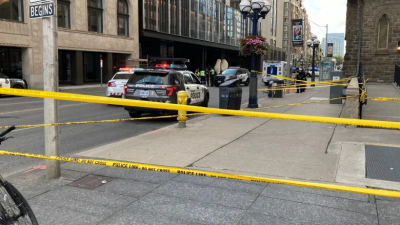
pixel 37 109
pixel 21 103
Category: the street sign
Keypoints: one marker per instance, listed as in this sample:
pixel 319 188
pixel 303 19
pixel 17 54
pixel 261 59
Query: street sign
pixel 42 10
pixel 32 2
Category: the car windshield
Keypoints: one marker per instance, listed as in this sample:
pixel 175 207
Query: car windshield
pixel 149 78
pixel 229 72
pixel 122 76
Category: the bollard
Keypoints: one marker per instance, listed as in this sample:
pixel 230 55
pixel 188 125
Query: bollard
pixel 182 100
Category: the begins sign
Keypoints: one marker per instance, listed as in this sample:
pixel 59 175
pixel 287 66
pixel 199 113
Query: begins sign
pixel 43 10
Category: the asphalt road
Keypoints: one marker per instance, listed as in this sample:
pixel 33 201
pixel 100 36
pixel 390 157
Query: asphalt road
pixel 73 138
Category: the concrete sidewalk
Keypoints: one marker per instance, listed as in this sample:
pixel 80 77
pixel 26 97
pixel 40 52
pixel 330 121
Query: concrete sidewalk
pixel 315 152
pixel 123 196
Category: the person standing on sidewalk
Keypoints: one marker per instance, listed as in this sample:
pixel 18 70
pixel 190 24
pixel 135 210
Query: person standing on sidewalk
pixel 202 75
pixel 303 77
pixel 207 77
pixel 212 74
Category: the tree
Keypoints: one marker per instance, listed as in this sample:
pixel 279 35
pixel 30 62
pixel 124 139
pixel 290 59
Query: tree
pixel 339 60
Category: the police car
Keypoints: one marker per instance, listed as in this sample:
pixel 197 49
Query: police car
pixel 115 87
pixel 6 82
pixel 162 85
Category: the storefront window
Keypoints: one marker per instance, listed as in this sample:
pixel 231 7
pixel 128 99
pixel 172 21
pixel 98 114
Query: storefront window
pixel 194 14
pixel 222 23
pixel 185 18
pixel 174 22
pixel 123 18
pixel 202 19
pixel 149 13
pixel 95 16
pixel 11 10
pixel 163 16
pixel 11 62
pixel 215 21
pixel 209 22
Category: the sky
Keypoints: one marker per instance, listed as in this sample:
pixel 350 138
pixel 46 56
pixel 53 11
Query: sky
pixel 323 12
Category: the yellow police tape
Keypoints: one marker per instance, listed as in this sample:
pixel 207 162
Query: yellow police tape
pixel 380 99
pixel 167 106
pixel 177 170
pixel 163 117
pixel 97 121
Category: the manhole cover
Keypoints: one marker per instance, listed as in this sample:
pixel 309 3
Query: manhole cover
pixel 90 182
pixel 382 162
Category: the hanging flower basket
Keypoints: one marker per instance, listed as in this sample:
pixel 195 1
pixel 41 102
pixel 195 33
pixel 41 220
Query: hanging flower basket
pixel 253 45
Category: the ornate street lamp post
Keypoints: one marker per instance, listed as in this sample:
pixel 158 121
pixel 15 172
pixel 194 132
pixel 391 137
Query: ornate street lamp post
pixel 313 43
pixel 254 10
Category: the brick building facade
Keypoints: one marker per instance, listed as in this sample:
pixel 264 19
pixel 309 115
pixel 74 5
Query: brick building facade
pixel 379 40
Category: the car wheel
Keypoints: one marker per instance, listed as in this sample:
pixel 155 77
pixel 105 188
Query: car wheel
pixel 134 114
pixel 266 83
pixel 247 82
pixel 206 100
pixel 18 87
pixel 216 85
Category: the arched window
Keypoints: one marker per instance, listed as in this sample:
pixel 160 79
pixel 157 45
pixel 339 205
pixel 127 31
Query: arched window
pixel 383 32
pixel 12 10
pixel 95 16
pixel 123 18
pixel 63 13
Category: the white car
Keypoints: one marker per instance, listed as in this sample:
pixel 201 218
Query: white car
pixel 115 87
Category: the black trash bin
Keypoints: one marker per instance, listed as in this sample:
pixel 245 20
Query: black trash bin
pixel 230 95
pixel 276 84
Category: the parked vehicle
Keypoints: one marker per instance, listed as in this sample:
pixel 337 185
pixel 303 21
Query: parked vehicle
pixel 163 86
pixel 6 82
pixel 278 68
pixel 233 73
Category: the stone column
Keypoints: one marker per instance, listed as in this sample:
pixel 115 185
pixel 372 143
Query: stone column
pixel 77 68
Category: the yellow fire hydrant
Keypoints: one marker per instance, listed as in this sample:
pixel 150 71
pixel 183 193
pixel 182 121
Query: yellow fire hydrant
pixel 182 100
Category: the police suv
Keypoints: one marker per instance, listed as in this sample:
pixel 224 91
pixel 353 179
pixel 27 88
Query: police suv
pixel 115 86
pixel 162 85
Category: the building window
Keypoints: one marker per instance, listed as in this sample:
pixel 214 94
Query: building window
pixel 286 4
pixel 285 42
pixel 286 20
pixel 285 35
pixel 383 32
pixel 285 28
pixel 63 13
pixel 123 18
pixel 95 16
pixel 11 10
pixel 286 13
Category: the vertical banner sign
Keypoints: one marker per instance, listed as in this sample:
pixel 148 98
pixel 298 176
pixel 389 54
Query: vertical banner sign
pixel 330 50
pixel 297 32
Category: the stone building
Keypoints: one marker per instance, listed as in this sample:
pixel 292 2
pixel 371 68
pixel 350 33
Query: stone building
pixel 379 40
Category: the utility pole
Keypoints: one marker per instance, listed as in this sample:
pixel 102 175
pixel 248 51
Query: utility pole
pixel 326 43
pixel 289 50
pixel 50 73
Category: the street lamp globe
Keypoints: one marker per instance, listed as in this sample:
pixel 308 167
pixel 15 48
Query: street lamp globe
pixel 245 6
pixel 266 8
pixel 314 37
pixel 257 4
pixel 309 43
pixel 317 42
